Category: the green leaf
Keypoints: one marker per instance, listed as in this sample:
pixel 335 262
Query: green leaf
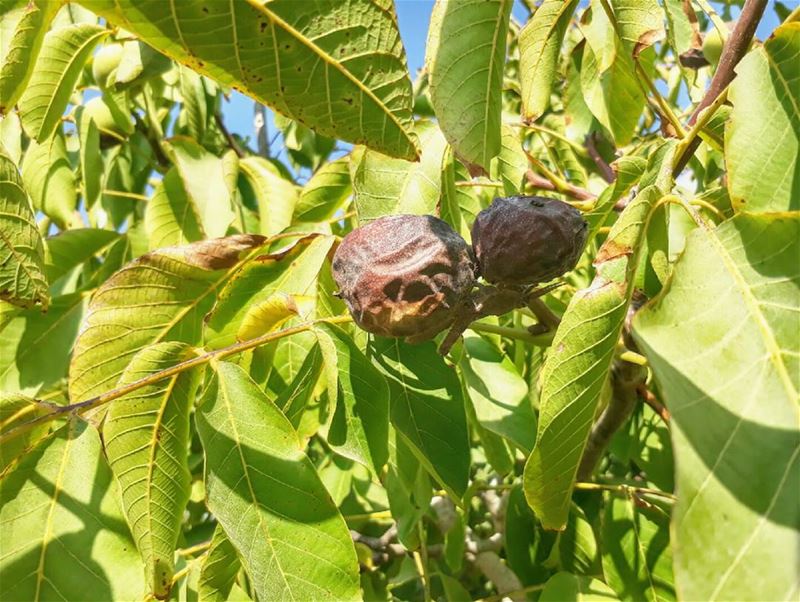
pixel 276 195
pixel 290 271
pixel 219 569
pixel 58 67
pixel 386 186
pixel 608 78
pixel 722 342
pixel 171 217
pixel 63 535
pixel 511 163
pixel 32 336
pixel 539 46
pixel 465 56
pixel 628 170
pixel 637 556
pixel 338 67
pixel 161 296
pixel 273 312
pixel 578 550
pixel 527 545
pixel 640 23
pixel 359 427
pixel 427 408
pixel 19 61
pixel 267 496
pixel 565 587
pixel 16 409
pixel 146 435
pixel 762 138
pixel 48 177
pixel 71 248
pixel 325 193
pixel 497 391
pixel 91 158
pixel 22 279
pixel 205 184
pixel 578 363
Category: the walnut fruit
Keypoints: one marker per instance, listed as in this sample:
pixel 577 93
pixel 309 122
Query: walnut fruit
pixel 523 240
pixel 404 275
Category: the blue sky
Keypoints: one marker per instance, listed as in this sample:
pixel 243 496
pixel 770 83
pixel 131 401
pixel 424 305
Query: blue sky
pixel 413 18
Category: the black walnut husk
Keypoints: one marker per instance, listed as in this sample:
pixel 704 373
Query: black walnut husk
pixel 522 240
pixel 404 275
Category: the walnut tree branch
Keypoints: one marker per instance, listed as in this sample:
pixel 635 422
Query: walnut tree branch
pixel 734 50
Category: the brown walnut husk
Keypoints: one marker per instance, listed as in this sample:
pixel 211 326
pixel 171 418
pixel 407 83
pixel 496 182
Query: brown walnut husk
pixel 404 275
pixel 524 240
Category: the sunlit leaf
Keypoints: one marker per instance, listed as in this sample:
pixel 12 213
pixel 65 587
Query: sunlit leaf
pixel 62 57
pixel 291 271
pixel 465 54
pixel 22 279
pixel 385 186
pixel 267 496
pixel 276 196
pixel 18 62
pixel 204 177
pixel 723 344
pixel 763 135
pixel 146 436
pixel 48 177
pixel 63 534
pixel 219 568
pixel 161 296
pixel 565 587
pixel 71 248
pixel 338 67
pixel 171 218
pixel 15 409
pixel 325 192
pixel 539 45
pixel 577 365
pixel 498 393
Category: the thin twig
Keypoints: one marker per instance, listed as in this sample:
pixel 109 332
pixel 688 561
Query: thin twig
pixel 734 50
pixel 624 489
pixel 200 360
pixel 605 169
pixel 537 181
pixel 651 400
pixel 228 136
pixel 543 313
pixel 539 340
pixel 421 559
pixel 126 195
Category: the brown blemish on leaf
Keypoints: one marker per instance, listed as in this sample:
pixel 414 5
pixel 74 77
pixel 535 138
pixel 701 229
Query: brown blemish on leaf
pixel 611 250
pixel 647 39
pixel 221 253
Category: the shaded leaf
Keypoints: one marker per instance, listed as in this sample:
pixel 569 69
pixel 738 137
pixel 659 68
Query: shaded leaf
pixel 71 248
pixel 497 391
pixel 32 336
pixel 268 498
pixel 565 587
pixel 338 67
pixel 427 408
pixel 637 557
pixel 16 409
pixel 732 302
pixel 359 427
